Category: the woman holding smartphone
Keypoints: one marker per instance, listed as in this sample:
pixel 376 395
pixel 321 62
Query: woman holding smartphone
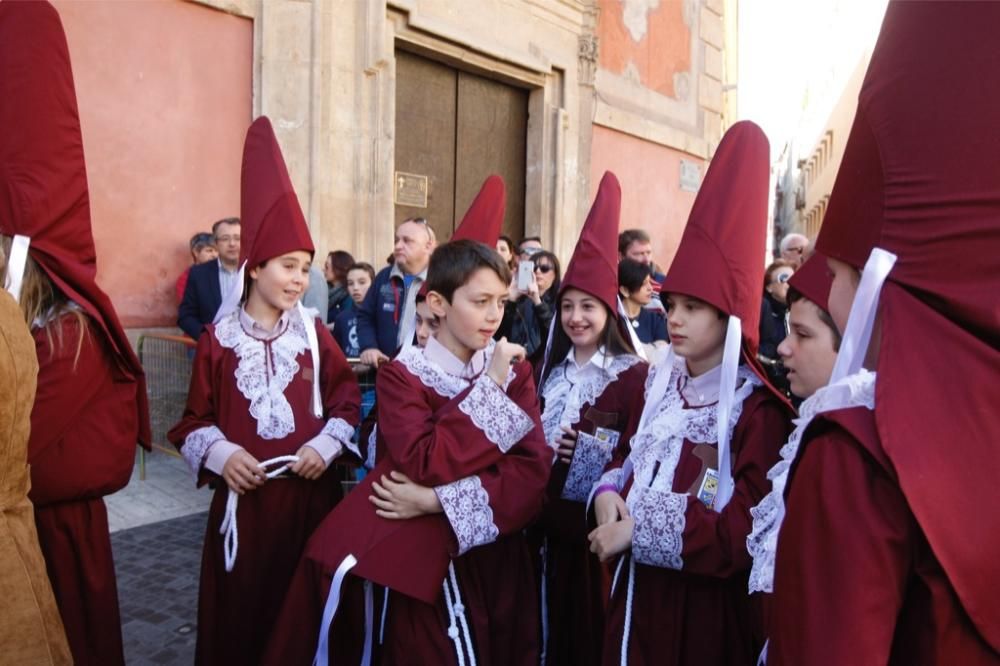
pixel 529 311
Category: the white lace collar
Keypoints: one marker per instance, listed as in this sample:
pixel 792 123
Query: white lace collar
pixel 264 370
pixel 565 394
pixel 437 353
pixel 857 390
pixel 435 377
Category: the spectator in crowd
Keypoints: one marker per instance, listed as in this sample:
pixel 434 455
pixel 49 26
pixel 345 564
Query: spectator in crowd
pixel 505 248
pixel 635 284
pixel 208 283
pixel 385 317
pixel 335 270
pixel 202 251
pixel 345 327
pixel 773 311
pixel 636 245
pixel 794 249
pixel 528 314
pixel 528 246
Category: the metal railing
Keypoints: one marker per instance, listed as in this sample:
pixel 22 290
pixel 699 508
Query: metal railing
pixel 167 360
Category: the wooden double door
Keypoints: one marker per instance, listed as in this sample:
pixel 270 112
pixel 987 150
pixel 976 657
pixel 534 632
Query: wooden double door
pixel 454 129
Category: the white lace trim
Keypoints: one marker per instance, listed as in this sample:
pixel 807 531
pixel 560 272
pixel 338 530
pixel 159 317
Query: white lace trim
pixel 656 450
pixel 657 538
pixel 343 432
pixel 589 458
pixel 856 390
pixel 491 410
pixel 467 506
pixel 565 399
pixel 435 378
pixel 261 377
pixel 196 446
pixel 372 439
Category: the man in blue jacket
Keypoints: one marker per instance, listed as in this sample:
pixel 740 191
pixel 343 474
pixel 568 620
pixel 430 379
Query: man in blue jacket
pixel 208 283
pixel 385 317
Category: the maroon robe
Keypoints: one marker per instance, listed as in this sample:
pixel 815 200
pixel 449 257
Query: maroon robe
pixel 882 597
pixel 236 610
pixel 499 476
pixel 576 582
pixel 701 613
pixel 84 429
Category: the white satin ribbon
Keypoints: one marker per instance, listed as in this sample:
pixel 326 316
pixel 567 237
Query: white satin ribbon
pixel 16 263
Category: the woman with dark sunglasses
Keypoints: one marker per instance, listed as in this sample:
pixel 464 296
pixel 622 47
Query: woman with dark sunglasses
pixel 528 315
pixel 773 310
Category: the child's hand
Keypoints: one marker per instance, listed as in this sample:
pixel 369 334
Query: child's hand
pixel 566 444
pixel 310 465
pixel 398 498
pixel 504 354
pixel 609 507
pixel 242 472
pixel 609 540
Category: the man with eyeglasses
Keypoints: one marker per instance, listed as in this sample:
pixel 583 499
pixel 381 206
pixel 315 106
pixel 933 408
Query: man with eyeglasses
pixel 386 316
pixel 208 282
pixel 795 249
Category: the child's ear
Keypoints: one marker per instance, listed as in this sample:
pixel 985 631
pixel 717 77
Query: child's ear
pixel 436 303
pixel 254 272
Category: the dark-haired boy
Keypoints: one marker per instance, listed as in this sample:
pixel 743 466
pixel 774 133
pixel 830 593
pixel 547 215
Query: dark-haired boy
pixel 463 467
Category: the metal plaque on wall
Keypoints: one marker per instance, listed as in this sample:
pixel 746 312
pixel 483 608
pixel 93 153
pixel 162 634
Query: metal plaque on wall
pixel 690 176
pixel 410 190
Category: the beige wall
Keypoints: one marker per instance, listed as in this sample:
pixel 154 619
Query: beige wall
pixel 164 95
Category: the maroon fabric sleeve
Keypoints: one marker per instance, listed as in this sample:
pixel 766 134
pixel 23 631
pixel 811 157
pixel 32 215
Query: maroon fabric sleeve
pixel 339 386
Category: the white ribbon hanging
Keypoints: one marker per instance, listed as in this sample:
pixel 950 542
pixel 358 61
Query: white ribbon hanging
pixel 307 320
pixel 633 336
pixel 231 541
pixel 16 263
pixel 727 391
pixel 322 656
pixel 231 301
pixel 860 321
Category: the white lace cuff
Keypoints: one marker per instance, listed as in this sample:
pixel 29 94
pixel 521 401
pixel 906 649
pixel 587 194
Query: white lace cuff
pixel 502 421
pixel 467 506
pixel 612 477
pixel 589 458
pixel 196 446
pixel 658 535
pixel 372 439
pixel 343 432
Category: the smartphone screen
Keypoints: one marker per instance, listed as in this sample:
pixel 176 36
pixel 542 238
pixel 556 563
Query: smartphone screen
pixel 525 271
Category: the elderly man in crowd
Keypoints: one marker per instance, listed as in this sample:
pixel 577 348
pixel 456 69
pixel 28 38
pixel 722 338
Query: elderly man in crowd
pixel 386 316
pixel 794 249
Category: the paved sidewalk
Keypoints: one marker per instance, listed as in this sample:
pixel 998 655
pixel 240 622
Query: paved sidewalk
pixel 168 492
pixel 158 567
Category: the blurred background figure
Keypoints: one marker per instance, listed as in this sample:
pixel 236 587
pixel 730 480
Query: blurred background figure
pixel 505 248
pixel 528 314
pixel 773 313
pixel 335 270
pixel 635 284
pixel 794 249
pixel 203 250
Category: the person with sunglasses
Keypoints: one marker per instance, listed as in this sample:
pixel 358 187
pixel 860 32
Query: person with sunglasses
pixel 773 312
pixel 794 249
pixel 528 314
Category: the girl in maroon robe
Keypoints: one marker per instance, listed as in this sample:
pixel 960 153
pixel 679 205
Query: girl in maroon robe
pixel 90 408
pixel 264 386
pixel 591 400
pixel 674 513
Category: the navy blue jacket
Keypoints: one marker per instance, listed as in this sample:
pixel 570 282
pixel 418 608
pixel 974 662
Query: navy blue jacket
pixel 379 313
pixel 202 298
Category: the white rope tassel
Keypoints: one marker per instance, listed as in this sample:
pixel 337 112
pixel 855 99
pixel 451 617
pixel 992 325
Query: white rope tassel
pixel 231 542
pixel 727 391
pixel 385 610
pixel 366 657
pixel 614 580
pixel 16 263
pixel 452 624
pixel 628 610
pixel 460 612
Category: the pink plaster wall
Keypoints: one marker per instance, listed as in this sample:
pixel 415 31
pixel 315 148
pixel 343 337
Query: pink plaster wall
pixel 649 174
pixel 164 90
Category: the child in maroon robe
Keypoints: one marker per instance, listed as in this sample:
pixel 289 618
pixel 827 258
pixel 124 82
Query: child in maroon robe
pixel 675 512
pixel 459 418
pixel 591 392
pixel 264 386
pixel 888 551
pixel 90 408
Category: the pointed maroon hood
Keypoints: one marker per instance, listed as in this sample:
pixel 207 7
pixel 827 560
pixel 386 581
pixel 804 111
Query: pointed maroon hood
pixel 484 219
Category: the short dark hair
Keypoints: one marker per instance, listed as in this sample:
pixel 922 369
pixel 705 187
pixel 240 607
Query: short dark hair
pixel 631 274
pixel 630 236
pixel 537 239
pixel 225 220
pixel 452 264
pixel 824 316
pixel 361 266
pixel 202 239
pixel 341 262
